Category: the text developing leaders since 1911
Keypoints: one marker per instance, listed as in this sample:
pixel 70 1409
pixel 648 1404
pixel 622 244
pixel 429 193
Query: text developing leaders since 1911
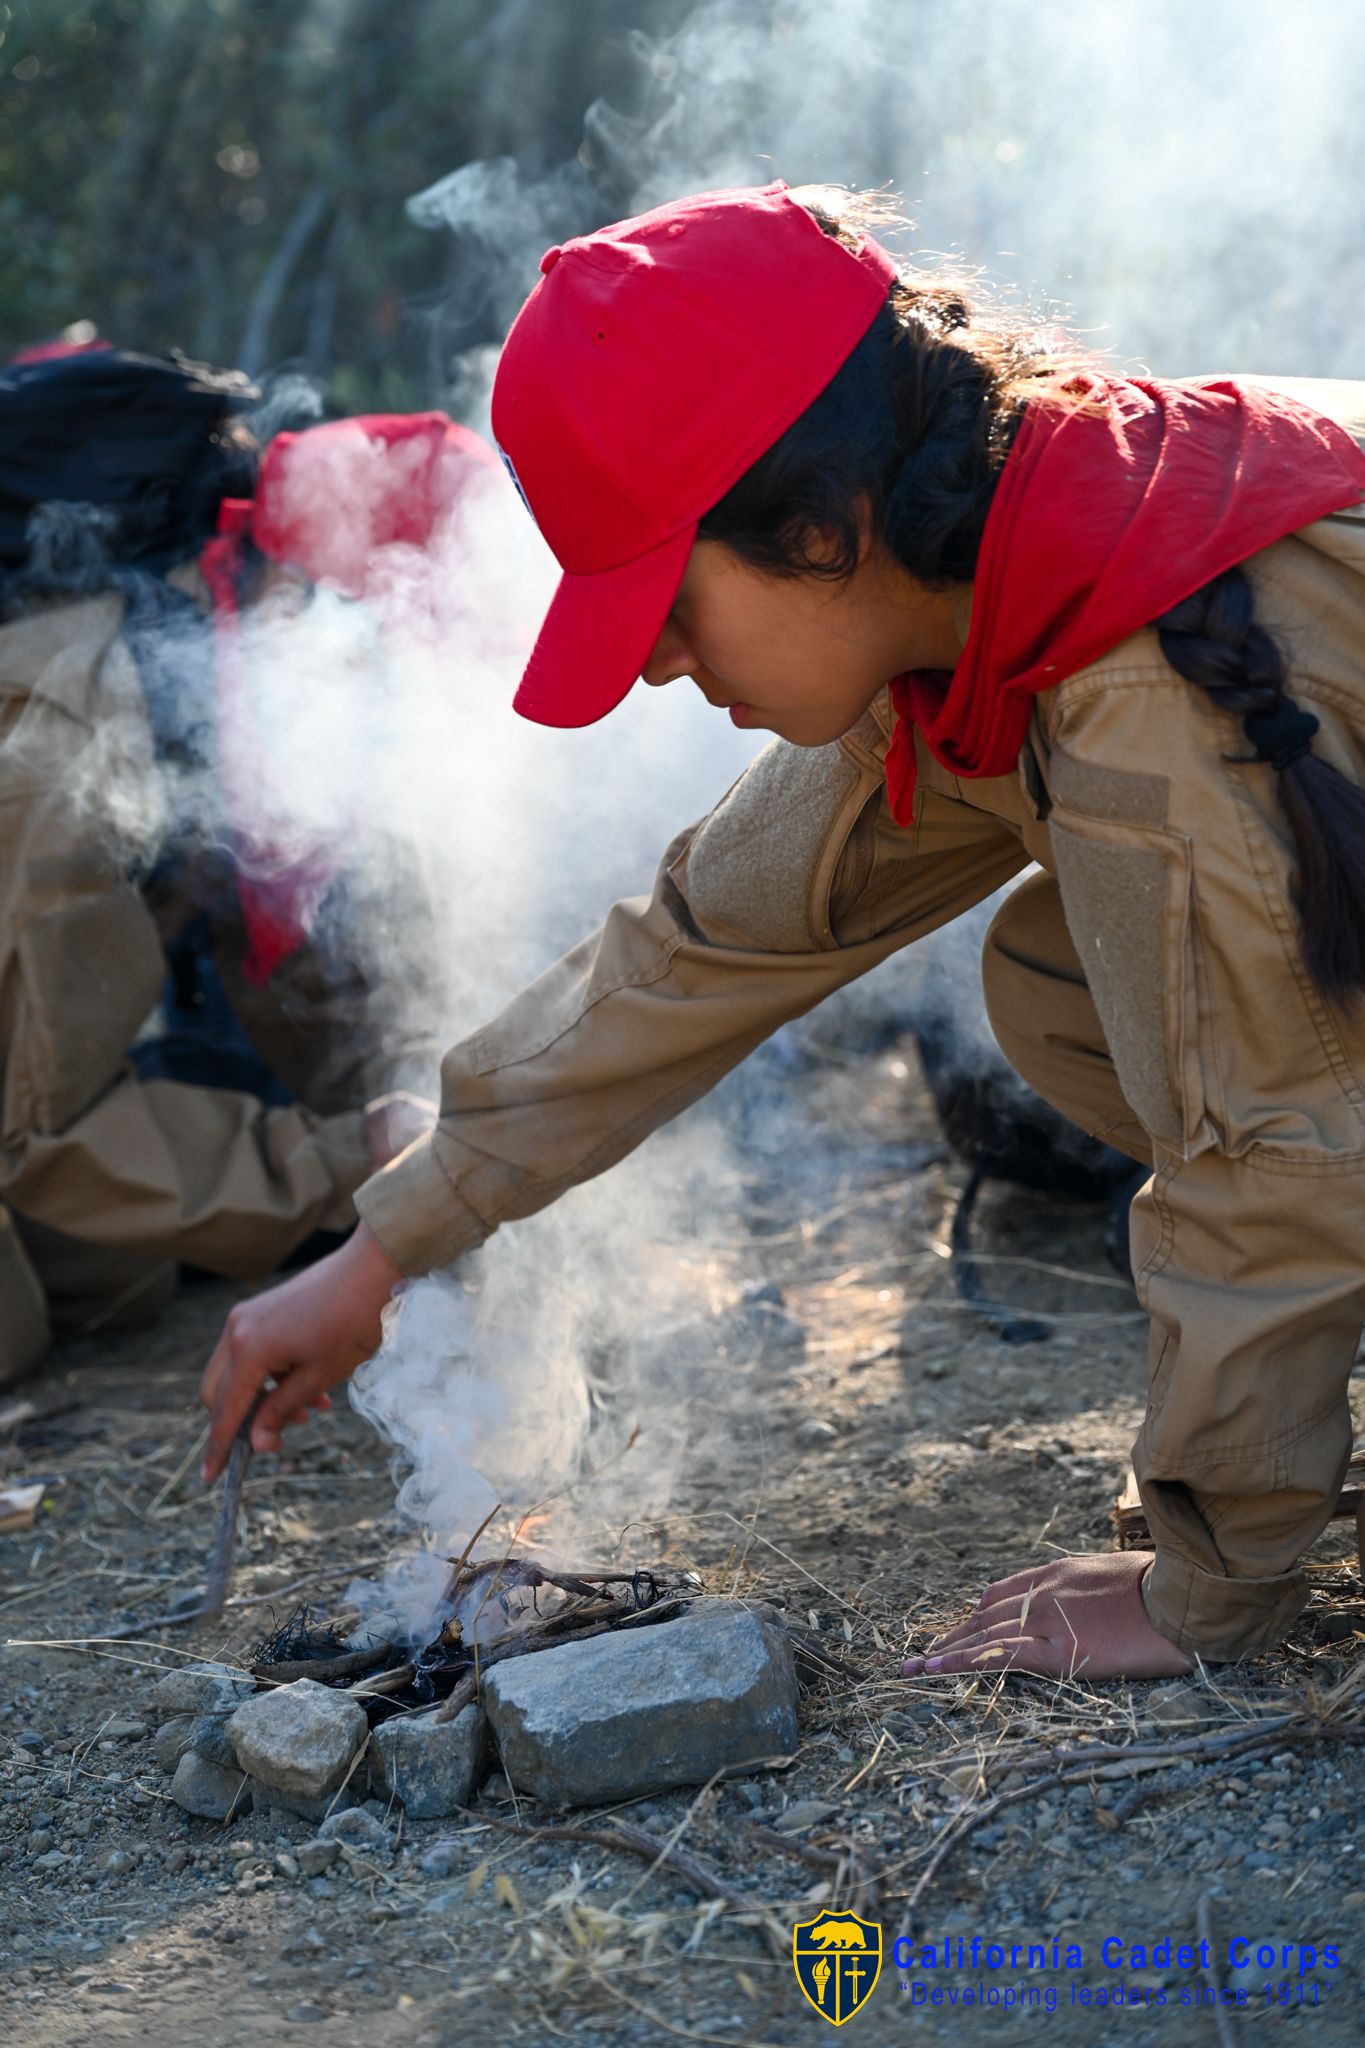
pixel 924 1967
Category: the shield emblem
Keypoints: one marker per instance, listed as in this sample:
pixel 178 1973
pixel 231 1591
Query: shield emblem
pixel 837 1958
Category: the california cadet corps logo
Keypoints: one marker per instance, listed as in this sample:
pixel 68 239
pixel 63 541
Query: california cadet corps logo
pixel 837 1958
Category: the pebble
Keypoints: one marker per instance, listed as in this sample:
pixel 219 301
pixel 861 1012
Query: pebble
pixel 287 1865
pixel 202 1788
pixel 813 1432
pixel 174 1861
pixel 804 1813
pixel 52 1860
pixel 1178 1706
pixel 118 1863
pixel 445 1902
pixel 357 1829
pixel 315 1857
pixel 444 1857
pixel 31 1741
pixel 124 1729
pixel 39 1842
pixel 763 1294
pixel 304 2012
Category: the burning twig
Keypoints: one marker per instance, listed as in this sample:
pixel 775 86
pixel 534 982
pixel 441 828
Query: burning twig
pixel 326 1670
pixel 383 1682
pixel 464 1554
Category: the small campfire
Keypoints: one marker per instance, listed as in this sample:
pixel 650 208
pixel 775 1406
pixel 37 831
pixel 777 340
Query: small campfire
pixel 491 1609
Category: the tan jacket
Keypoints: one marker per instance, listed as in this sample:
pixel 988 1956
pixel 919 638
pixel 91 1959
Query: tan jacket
pixel 87 1149
pixel 1148 982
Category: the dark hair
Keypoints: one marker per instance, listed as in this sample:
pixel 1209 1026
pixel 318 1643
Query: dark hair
pixel 917 422
pixel 916 425
pixel 1213 639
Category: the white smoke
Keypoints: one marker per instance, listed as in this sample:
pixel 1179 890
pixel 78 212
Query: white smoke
pixel 1147 172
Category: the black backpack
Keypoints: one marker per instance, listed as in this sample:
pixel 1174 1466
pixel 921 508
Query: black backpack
pixel 144 439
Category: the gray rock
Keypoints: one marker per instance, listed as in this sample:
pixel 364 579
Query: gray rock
pixel 813 1433
pixel 52 1859
pixel 315 1857
pixel 449 1901
pixel 305 2012
pixel 118 1863
pixel 640 1710
pixel 805 1813
pixel 440 1860
pixel 39 1842
pixel 123 1728
pixel 1179 1706
pixel 763 1294
pixel 356 1829
pixel 300 1739
pixel 269 1800
pixel 171 1741
pixel 781 1338
pixel 208 1790
pixel 201 1689
pixel 207 1736
pixel 433 1769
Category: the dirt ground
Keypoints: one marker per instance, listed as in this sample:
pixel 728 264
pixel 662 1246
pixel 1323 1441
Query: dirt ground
pixel 947 1458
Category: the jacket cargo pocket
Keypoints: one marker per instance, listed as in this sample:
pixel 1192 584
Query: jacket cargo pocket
pixel 1127 891
pixel 90 970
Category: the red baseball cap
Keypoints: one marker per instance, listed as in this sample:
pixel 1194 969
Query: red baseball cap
pixel 652 364
pixel 331 498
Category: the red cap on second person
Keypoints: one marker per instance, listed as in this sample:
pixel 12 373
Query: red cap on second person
pixel 331 498
pixel 652 364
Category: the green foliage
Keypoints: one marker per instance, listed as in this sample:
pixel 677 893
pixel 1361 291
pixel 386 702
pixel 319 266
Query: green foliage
pixel 228 176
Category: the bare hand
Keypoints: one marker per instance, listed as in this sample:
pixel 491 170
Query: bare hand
pixel 299 1339
pixel 1076 1615
pixel 393 1121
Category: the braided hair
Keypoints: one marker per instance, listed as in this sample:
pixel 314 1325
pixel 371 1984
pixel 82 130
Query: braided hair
pixel 917 424
pixel 1212 639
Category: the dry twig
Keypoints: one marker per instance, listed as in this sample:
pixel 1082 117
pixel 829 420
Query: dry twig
pixel 684 1864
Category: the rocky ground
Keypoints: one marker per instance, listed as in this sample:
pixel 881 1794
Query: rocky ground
pixel 872 1483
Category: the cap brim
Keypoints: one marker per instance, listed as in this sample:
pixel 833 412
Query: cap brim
pixel 598 634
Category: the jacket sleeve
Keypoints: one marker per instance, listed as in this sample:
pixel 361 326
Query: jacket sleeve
pixel 209 1176
pixel 640 1019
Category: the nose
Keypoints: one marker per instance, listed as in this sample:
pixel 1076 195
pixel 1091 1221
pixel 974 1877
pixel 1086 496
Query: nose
pixel 669 660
